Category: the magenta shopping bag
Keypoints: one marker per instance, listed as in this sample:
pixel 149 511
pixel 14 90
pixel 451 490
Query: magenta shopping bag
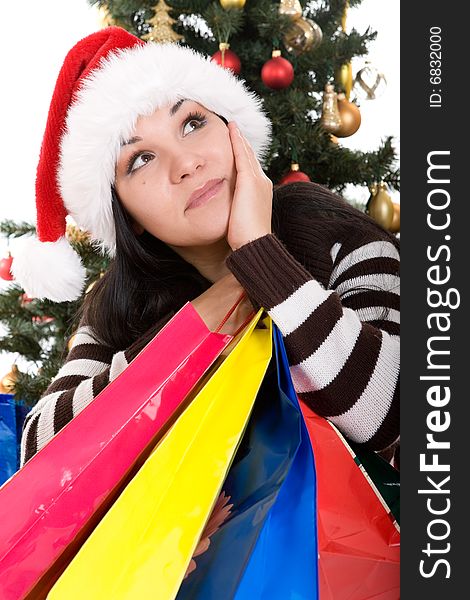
pixel 60 494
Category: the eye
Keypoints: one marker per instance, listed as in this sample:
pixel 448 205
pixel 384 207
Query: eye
pixel 138 160
pixel 195 117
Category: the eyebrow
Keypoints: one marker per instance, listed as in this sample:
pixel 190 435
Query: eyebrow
pixel 133 140
pixel 173 110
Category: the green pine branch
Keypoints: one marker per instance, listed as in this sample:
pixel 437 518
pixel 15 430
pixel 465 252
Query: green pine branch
pixel 39 330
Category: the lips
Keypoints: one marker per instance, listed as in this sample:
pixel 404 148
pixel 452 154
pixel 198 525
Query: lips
pixel 202 191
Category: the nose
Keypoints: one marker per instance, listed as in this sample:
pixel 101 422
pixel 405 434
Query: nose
pixel 185 163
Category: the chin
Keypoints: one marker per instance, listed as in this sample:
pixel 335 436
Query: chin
pixel 212 237
pixel 214 227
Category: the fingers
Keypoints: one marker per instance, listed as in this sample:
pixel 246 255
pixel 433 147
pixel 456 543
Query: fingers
pixel 244 154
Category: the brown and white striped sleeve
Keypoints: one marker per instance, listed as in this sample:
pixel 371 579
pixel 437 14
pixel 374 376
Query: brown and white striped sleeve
pixel 87 370
pixel 342 341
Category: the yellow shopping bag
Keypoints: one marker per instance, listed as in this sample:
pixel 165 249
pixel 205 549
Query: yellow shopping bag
pixel 142 547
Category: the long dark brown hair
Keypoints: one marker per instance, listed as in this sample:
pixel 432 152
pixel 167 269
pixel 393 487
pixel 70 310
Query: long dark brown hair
pixel 147 279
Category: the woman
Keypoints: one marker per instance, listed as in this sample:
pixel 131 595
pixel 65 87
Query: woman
pixel 142 149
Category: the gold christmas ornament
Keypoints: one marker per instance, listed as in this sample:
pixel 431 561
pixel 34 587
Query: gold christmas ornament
pixel 161 22
pixel 344 78
pixel 8 382
pixel 92 284
pixel 395 226
pixel 343 18
pixel 76 234
pixel 350 117
pixel 302 36
pixel 104 17
pixel 70 342
pixel 330 118
pixel 369 83
pixel 291 9
pixel 227 4
pixel 90 287
pixel 380 206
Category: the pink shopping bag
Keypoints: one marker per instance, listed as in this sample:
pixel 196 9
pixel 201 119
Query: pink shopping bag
pixel 62 492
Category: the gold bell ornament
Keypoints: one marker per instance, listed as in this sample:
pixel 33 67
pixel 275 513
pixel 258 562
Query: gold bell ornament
pixel 380 205
pixel 330 117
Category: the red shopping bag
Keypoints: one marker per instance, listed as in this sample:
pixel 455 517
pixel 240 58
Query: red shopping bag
pixel 358 537
pixel 61 493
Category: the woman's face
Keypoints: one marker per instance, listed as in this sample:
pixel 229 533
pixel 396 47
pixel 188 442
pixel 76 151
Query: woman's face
pixel 172 153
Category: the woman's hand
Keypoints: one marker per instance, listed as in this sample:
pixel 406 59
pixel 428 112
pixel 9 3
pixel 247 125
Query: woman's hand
pixel 250 216
pixel 213 304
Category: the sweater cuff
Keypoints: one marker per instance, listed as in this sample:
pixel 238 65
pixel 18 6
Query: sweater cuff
pixel 267 271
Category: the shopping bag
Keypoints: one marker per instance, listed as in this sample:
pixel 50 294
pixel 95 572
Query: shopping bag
pixel 358 536
pixel 8 437
pixel 12 415
pixel 266 548
pixel 60 494
pixel 382 475
pixel 142 547
pixel 283 563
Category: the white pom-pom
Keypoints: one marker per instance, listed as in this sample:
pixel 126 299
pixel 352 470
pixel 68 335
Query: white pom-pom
pixel 50 270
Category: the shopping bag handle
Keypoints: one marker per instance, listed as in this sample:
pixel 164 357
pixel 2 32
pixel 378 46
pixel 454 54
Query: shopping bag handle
pixel 247 320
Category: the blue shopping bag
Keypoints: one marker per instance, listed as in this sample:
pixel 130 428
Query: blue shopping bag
pixel 283 564
pixel 12 415
pixel 266 548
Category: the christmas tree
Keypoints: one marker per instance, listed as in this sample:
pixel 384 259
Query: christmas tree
pixel 296 56
pixel 40 330
pixel 315 51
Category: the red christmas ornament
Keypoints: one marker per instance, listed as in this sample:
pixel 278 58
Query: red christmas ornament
pixel 294 175
pixel 227 59
pixel 25 299
pixel 42 319
pixel 277 73
pixel 5 266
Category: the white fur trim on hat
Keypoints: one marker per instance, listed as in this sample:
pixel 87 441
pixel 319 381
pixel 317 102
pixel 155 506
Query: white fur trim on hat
pixel 131 83
pixel 50 270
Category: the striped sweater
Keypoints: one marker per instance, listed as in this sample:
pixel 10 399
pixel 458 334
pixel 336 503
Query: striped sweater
pixel 335 298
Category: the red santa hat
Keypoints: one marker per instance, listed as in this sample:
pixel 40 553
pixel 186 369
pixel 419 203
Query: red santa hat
pixel 106 82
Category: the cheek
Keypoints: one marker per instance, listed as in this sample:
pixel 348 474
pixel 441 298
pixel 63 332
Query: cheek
pixel 224 149
pixel 146 204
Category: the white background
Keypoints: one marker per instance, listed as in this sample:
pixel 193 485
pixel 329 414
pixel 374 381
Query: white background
pixel 35 40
